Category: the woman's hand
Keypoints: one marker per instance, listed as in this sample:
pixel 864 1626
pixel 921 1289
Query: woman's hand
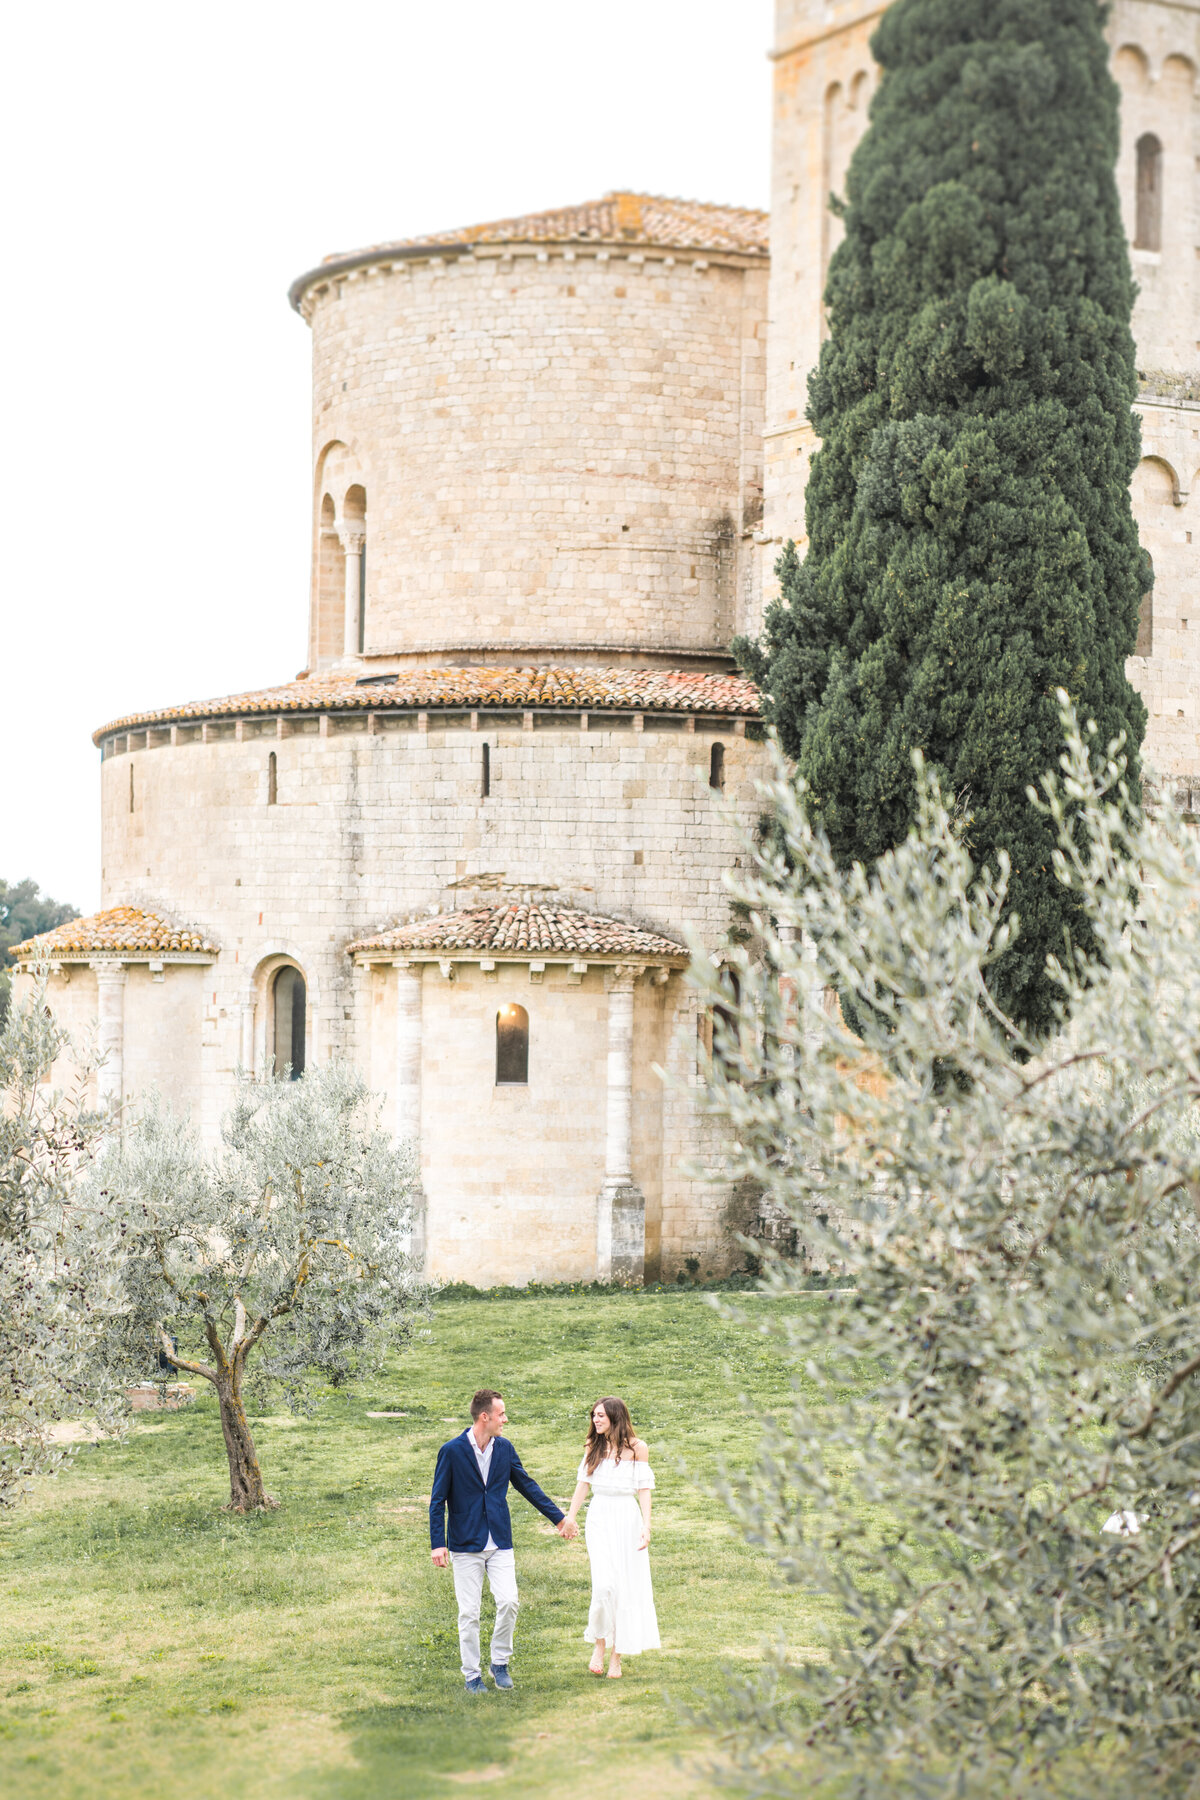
pixel 643 1542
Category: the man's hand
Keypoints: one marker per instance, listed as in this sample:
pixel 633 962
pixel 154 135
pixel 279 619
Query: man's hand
pixel 567 1528
pixel 441 1558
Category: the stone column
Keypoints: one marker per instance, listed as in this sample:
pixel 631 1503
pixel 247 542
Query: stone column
pixel 407 1113
pixel 621 1207
pixel 353 543
pixel 110 1034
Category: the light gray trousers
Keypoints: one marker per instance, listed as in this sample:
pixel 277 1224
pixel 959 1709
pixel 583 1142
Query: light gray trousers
pixel 501 1567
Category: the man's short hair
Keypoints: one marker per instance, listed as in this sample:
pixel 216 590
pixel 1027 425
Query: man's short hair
pixel 483 1402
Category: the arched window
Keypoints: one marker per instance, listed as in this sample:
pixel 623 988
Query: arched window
pixel 726 1035
pixel 288 996
pixel 512 1046
pixel 272 779
pixel 1145 636
pixel 331 586
pixel 1149 194
pixel 716 767
pixel 717 1033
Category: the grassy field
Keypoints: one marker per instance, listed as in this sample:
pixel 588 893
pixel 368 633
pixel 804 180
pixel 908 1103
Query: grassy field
pixel 151 1644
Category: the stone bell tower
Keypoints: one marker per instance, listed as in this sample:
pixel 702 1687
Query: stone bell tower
pixel 1156 56
pixel 824 79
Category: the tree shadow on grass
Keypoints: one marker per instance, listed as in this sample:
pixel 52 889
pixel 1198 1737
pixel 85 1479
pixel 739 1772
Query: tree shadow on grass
pixel 429 1746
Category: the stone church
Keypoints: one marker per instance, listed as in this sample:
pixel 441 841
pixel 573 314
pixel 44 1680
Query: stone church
pixel 554 460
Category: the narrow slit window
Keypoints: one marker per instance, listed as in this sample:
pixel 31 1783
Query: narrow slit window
pixel 1149 193
pixel 131 787
pixel 485 772
pixel 289 1000
pixel 1145 632
pixel 512 1046
pixel 716 767
pixel 272 780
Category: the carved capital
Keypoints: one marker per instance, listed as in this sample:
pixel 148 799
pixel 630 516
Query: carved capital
pixel 109 974
pixel 621 978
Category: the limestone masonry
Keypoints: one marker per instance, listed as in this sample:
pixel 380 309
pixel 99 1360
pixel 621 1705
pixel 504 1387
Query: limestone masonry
pixel 472 847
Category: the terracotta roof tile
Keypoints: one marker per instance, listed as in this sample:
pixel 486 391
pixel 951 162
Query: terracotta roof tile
pixel 523 929
pixel 117 928
pixel 590 690
pixel 620 217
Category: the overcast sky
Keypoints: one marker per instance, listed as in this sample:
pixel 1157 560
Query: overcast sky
pixel 169 168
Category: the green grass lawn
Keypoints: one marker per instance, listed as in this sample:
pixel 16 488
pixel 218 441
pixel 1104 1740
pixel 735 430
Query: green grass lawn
pixel 151 1644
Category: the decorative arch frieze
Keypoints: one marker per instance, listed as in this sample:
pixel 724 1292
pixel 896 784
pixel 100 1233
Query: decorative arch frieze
pixel 1156 483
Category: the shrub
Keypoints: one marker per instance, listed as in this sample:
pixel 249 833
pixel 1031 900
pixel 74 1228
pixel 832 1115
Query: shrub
pixel 1019 1357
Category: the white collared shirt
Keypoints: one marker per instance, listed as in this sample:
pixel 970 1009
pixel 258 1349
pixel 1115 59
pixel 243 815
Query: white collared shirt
pixel 482 1457
pixel 483 1460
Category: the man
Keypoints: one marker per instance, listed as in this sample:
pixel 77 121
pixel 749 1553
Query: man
pixel 471 1479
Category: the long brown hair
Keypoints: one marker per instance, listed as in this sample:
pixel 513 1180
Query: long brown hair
pixel 620 1427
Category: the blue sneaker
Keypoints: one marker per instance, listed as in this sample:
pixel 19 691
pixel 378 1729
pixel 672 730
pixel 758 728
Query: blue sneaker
pixel 501 1676
pixel 475 1685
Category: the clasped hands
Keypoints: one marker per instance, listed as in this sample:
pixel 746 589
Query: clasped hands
pixel 566 1528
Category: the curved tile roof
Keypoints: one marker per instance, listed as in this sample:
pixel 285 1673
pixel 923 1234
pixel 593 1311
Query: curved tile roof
pixel 588 690
pixel 526 930
pixel 117 928
pixel 620 217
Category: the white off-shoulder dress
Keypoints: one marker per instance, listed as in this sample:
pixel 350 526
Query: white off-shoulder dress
pixel 622 1610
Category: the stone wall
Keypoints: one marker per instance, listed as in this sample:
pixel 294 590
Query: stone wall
pixel 557 449
pixel 513 1173
pixel 370 827
pixel 169 1015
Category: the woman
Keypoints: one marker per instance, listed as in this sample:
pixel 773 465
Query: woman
pixel 616 1467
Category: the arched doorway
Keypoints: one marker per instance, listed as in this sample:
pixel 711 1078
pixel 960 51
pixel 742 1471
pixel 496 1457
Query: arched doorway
pixel 288 1004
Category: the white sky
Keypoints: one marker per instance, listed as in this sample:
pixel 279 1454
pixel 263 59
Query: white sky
pixel 169 168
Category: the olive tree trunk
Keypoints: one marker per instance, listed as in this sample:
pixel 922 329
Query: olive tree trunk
pixel 246 1491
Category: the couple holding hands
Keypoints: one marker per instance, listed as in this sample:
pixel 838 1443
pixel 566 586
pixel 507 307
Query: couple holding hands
pixel 471 1484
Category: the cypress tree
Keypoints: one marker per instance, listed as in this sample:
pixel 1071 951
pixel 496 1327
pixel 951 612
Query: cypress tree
pixel 971 540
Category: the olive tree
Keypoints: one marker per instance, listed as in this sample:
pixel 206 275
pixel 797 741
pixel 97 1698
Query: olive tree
pixel 281 1258
pixel 988 1476
pixel 59 1255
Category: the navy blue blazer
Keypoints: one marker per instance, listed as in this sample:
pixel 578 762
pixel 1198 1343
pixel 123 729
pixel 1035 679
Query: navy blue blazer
pixel 474 1510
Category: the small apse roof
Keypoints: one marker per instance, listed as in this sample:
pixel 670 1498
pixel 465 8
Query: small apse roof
pixel 522 931
pixel 117 930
